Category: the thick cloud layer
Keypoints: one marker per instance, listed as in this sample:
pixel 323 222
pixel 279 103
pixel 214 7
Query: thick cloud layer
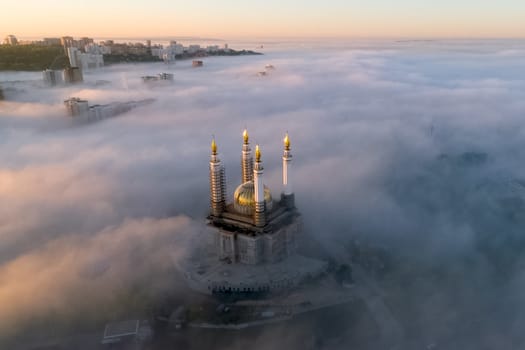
pixel 417 146
pixel 78 274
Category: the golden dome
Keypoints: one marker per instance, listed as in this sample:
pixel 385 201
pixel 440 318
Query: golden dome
pixel 244 198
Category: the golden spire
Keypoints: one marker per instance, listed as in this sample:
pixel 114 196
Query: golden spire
pixel 286 142
pixel 213 146
pixel 257 154
pixel 245 136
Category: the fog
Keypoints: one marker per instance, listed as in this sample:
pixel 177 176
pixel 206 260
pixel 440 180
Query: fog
pixel 413 146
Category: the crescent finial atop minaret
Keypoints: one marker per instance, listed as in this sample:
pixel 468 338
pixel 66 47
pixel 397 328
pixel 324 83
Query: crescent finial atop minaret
pixel 246 158
pixel 213 146
pixel 257 154
pixel 287 160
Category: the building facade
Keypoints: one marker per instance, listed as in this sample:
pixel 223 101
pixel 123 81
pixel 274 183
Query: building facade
pixel 52 77
pixel 76 107
pixel 73 75
pixel 85 61
pixel 10 40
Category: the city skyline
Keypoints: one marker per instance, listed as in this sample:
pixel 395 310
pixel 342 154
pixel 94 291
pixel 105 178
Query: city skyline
pixel 229 19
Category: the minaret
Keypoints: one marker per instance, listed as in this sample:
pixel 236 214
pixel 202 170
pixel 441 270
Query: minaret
pixel 259 216
pixel 217 183
pixel 288 195
pixel 246 159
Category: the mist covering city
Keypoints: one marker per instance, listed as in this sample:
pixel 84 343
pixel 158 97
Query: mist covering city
pixel 411 152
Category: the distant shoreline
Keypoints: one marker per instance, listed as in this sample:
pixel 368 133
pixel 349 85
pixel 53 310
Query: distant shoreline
pixel 131 58
pixel 34 58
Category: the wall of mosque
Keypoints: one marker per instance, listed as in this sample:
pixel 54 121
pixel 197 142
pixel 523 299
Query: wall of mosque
pixel 257 249
pixel 226 245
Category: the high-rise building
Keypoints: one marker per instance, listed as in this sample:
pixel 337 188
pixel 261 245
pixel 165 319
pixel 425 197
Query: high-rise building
pixel 193 49
pixel 10 40
pixel 51 41
pixel 82 111
pixel 82 42
pixel 96 49
pixel 52 77
pixel 169 53
pixel 84 61
pixel 73 75
pixel 76 106
pixel 159 78
pixel 67 41
pixel 73 55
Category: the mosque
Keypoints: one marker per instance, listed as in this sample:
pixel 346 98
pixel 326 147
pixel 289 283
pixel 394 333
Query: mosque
pixel 254 229
pixel 255 237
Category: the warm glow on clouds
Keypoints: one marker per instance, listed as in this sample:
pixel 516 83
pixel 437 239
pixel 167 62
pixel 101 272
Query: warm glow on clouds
pixel 417 145
pixel 70 270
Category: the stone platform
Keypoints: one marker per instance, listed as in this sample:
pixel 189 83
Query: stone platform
pixel 206 274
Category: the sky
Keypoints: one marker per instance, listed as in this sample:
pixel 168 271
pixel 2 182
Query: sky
pixel 269 18
pixel 416 146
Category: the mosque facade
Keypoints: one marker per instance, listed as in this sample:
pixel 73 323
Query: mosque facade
pixel 254 237
pixel 254 228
